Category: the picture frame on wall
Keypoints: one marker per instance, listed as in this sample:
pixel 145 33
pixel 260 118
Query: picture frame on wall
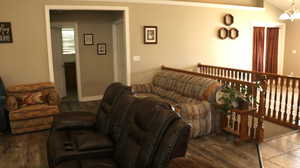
pixel 88 39
pixel 5 32
pixel 150 35
pixel 101 49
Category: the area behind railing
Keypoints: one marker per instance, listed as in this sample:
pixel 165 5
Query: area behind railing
pixel 237 122
pixel 282 96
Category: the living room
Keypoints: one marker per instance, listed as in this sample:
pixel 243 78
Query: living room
pixel 187 33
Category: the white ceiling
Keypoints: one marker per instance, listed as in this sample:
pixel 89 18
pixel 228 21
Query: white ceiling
pixel 283 4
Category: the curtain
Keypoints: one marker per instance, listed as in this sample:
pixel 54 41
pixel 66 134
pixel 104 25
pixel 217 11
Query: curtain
pixel 258 49
pixel 272 50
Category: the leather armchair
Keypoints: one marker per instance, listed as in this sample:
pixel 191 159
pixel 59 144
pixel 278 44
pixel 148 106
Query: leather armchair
pixel 77 120
pixel 77 135
pixel 151 135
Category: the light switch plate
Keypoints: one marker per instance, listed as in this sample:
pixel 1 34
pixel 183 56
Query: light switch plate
pixel 136 58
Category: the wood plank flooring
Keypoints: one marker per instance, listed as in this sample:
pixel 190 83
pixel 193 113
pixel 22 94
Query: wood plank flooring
pixel 29 150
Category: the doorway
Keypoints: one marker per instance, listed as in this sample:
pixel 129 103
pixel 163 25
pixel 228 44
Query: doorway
pixel 121 61
pixel 65 51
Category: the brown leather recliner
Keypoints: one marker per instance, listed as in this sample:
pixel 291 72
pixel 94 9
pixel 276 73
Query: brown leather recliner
pixel 79 135
pixel 74 120
pixel 152 135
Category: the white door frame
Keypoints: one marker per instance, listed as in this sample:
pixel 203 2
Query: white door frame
pixel 115 52
pixel 125 10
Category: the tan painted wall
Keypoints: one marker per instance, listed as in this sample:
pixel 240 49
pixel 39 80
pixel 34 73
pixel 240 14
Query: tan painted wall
pixel 96 70
pixel 187 35
pixel 292 60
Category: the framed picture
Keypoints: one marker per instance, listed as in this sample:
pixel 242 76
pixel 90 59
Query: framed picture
pixel 88 39
pixel 150 34
pixel 5 32
pixel 228 19
pixel 223 33
pixel 101 49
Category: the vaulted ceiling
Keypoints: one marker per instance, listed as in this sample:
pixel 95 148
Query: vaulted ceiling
pixel 283 4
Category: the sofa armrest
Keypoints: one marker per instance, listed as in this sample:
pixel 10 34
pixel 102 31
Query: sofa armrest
pixel 142 88
pixel 53 97
pixel 199 115
pixel 12 103
pixel 74 120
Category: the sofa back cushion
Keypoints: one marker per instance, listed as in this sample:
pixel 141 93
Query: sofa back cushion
pixel 112 92
pixel 187 85
pixel 147 122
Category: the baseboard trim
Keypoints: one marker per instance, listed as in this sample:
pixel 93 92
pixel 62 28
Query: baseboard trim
pixel 91 98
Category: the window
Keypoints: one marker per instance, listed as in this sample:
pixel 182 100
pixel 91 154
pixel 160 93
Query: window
pixel 68 41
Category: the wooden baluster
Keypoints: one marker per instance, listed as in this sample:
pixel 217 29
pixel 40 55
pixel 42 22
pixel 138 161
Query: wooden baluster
pixel 236 123
pixel 298 106
pixel 252 129
pixel 231 120
pixel 244 126
pixel 291 117
pixel 270 97
pixel 287 85
pixel 275 99
pixel 280 99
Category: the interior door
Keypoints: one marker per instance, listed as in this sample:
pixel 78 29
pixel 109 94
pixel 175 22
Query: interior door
pixel 58 63
pixel 121 51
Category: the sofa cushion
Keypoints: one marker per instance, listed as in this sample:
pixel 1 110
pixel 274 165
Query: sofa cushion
pixel 186 85
pixel 33 111
pixel 147 121
pixel 88 140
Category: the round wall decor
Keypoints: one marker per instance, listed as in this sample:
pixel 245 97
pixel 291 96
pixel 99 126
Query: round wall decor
pixel 223 33
pixel 228 19
pixel 233 33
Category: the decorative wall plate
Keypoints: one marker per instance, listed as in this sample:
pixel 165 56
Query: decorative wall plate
pixel 223 33
pixel 228 19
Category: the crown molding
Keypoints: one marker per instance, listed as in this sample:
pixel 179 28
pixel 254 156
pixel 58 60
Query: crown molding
pixel 179 3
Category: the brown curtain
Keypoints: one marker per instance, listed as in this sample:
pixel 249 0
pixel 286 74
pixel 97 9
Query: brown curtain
pixel 272 50
pixel 258 49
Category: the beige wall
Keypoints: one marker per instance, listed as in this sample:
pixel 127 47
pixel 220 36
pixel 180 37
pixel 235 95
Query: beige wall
pixel 96 70
pixel 187 35
pixel 292 60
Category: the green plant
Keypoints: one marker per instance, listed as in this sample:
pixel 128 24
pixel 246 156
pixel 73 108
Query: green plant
pixel 232 98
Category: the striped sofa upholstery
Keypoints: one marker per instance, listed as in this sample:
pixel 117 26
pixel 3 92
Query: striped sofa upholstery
pixel 32 117
pixel 192 96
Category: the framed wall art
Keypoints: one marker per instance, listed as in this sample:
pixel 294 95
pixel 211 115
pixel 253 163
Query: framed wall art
pixel 5 32
pixel 223 33
pixel 88 39
pixel 101 49
pixel 150 35
pixel 228 19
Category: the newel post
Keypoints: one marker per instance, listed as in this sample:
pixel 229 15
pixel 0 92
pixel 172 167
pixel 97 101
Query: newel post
pixel 262 83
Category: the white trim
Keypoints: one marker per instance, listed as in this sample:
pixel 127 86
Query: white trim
pixel 181 3
pixel 91 98
pixel 86 7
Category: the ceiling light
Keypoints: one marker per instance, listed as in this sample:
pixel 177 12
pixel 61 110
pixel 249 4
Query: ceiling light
pixel 291 14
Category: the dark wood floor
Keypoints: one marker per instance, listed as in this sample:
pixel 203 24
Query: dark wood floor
pixel 29 150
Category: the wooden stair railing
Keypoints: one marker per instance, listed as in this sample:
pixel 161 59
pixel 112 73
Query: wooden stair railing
pixel 237 122
pixel 283 92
